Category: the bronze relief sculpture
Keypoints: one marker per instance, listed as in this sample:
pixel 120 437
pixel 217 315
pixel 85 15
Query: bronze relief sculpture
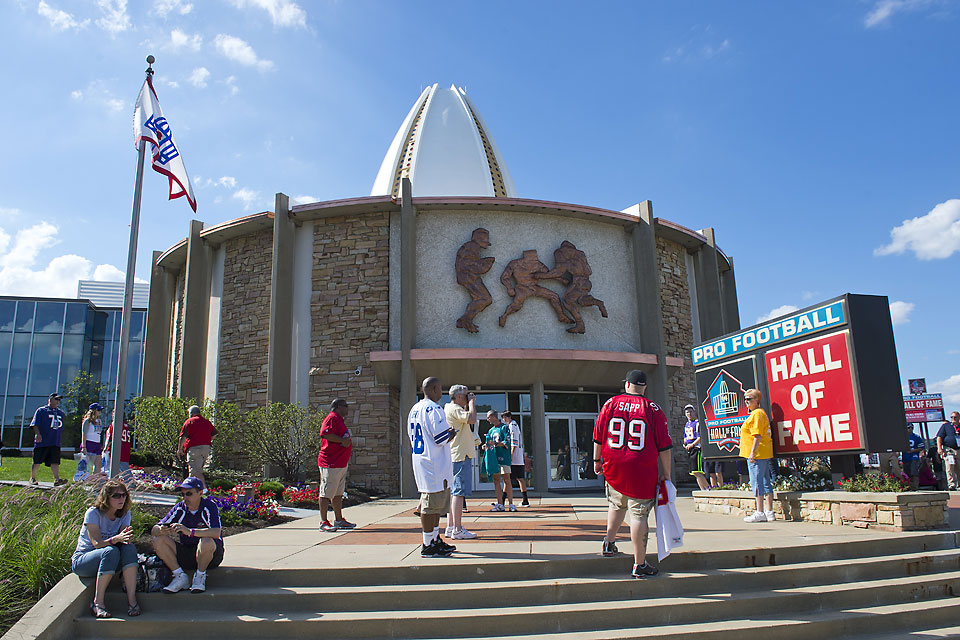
pixel 522 277
pixel 470 266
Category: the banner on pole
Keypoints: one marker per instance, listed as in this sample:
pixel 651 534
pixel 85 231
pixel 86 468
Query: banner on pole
pixel 152 127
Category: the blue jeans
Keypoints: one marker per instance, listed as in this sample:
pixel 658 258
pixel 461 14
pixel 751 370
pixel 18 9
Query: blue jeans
pixel 761 476
pixel 105 560
pixel 462 478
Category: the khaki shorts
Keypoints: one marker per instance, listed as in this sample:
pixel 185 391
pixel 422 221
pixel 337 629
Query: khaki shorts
pixel 638 508
pixel 196 458
pixel 435 503
pixel 333 481
pixel 505 470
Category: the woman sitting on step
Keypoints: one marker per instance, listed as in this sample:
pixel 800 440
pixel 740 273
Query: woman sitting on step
pixel 106 546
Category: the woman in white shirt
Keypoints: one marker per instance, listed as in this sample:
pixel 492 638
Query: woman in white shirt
pixel 92 430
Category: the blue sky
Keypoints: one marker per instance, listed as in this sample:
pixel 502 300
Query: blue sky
pixel 819 139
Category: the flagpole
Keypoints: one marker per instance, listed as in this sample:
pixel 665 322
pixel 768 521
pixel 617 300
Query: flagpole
pixel 116 443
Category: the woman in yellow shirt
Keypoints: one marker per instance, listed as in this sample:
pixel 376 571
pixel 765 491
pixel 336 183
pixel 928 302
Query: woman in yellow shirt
pixel 756 445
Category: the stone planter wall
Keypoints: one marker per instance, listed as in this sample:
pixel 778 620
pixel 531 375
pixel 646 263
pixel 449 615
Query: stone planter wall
pixel 913 511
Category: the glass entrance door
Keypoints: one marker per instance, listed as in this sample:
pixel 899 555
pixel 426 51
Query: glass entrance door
pixel 570 450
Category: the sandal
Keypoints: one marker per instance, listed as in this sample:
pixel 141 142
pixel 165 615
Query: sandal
pixel 133 610
pixel 98 611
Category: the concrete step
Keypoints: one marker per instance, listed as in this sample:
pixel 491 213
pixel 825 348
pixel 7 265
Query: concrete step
pixel 546 591
pixel 663 613
pixel 458 570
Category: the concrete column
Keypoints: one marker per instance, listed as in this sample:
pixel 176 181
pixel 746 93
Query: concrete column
pixel 538 418
pixel 280 348
pixel 156 356
pixel 649 312
pixel 196 315
pixel 710 300
pixel 731 308
pixel 408 330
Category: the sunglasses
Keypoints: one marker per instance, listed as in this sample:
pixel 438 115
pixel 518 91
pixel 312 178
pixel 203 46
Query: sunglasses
pixel 119 495
pixel 187 494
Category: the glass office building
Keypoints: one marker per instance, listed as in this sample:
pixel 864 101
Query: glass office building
pixel 45 343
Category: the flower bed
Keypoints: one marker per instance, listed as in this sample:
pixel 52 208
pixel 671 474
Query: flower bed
pixel 907 511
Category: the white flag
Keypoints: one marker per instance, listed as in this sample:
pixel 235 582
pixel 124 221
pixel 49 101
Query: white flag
pixel 150 126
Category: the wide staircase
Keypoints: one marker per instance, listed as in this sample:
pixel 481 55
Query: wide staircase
pixel 897 587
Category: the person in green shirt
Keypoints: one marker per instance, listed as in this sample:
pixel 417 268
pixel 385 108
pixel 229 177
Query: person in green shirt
pixel 496 460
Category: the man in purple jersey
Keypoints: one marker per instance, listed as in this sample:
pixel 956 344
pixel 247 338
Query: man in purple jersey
pixel 189 537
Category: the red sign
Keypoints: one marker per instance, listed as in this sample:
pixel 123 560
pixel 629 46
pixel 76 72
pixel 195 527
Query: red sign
pixel 811 396
pixel 923 408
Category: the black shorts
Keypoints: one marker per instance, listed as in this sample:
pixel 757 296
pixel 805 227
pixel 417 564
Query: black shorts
pixel 46 455
pixel 715 466
pixel 518 471
pixel 187 556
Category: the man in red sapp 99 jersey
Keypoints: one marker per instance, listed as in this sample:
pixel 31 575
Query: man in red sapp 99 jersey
pixel 630 438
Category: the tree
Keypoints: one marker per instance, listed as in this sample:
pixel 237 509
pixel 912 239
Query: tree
pixel 227 418
pixel 78 395
pixel 156 423
pixel 283 435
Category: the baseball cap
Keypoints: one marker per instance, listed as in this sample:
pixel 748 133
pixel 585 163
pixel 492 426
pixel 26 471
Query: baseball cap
pixel 635 376
pixel 191 483
pixel 689 406
pixel 55 396
pixel 96 406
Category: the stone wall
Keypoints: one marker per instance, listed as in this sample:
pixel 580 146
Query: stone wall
pixel 177 325
pixel 678 338
pixel 245 319
pixel 349 317
pixel 912 511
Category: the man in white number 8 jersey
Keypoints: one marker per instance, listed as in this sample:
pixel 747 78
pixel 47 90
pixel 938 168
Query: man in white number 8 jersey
pixel 629 439
pixel 432 466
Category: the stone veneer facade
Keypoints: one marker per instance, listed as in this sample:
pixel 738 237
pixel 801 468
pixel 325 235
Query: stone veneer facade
pixel 678 340
pixel 245 320
pixel 349 311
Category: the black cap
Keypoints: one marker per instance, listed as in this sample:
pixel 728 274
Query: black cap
pixel 635 376
pixel 54 396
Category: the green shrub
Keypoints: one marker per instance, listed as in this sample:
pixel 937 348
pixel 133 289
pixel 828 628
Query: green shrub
pixel 272 488
pixel 141 459
pixel 223 485
pixel 38 536
pixel 141 521
pixel 282 435
pixel 874 483
pixel 230 519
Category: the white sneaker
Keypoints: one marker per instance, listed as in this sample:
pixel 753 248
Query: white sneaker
pixel 199 584
pixel 463 534
pixel 511 508
pixel 449 531
pixel 770 516
pixel 178 583
pixel 756 517
pixel 497 507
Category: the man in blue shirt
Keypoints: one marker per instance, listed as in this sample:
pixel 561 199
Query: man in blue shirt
pixel 947 448
pixel 911 457
pixel 47 426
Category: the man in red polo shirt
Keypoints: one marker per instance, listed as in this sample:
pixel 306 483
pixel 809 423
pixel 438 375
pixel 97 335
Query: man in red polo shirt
pixel 196 438
pixel 335 448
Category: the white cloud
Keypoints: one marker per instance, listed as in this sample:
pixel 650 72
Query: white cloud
pixel 931 236
pixel 164 81
pixel 199 77
pixel 883 10
pixel 304 199
pixel 283 13
pixel 231 82
pixel 227 181
pixel 702 44
pixel 109 273
pixel 238 50
pixel 162 8
pixel 9 212
pixel 60 20
pixel 20 275
pixel 776 313
pixel 900 311
pixel 806 296
pixel 98 95
pixel 182 40
pixel 115 19
pixel 950 388
pixel 248 197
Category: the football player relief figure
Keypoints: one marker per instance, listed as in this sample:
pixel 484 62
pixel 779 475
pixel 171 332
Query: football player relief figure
pixel 470 266
pixel 521 281
pixel 570 266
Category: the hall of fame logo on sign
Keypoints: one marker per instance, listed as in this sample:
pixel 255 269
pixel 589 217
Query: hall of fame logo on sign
pixel 725 410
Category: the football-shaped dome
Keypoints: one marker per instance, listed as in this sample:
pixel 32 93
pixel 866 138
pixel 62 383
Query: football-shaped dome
pixel 445 149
